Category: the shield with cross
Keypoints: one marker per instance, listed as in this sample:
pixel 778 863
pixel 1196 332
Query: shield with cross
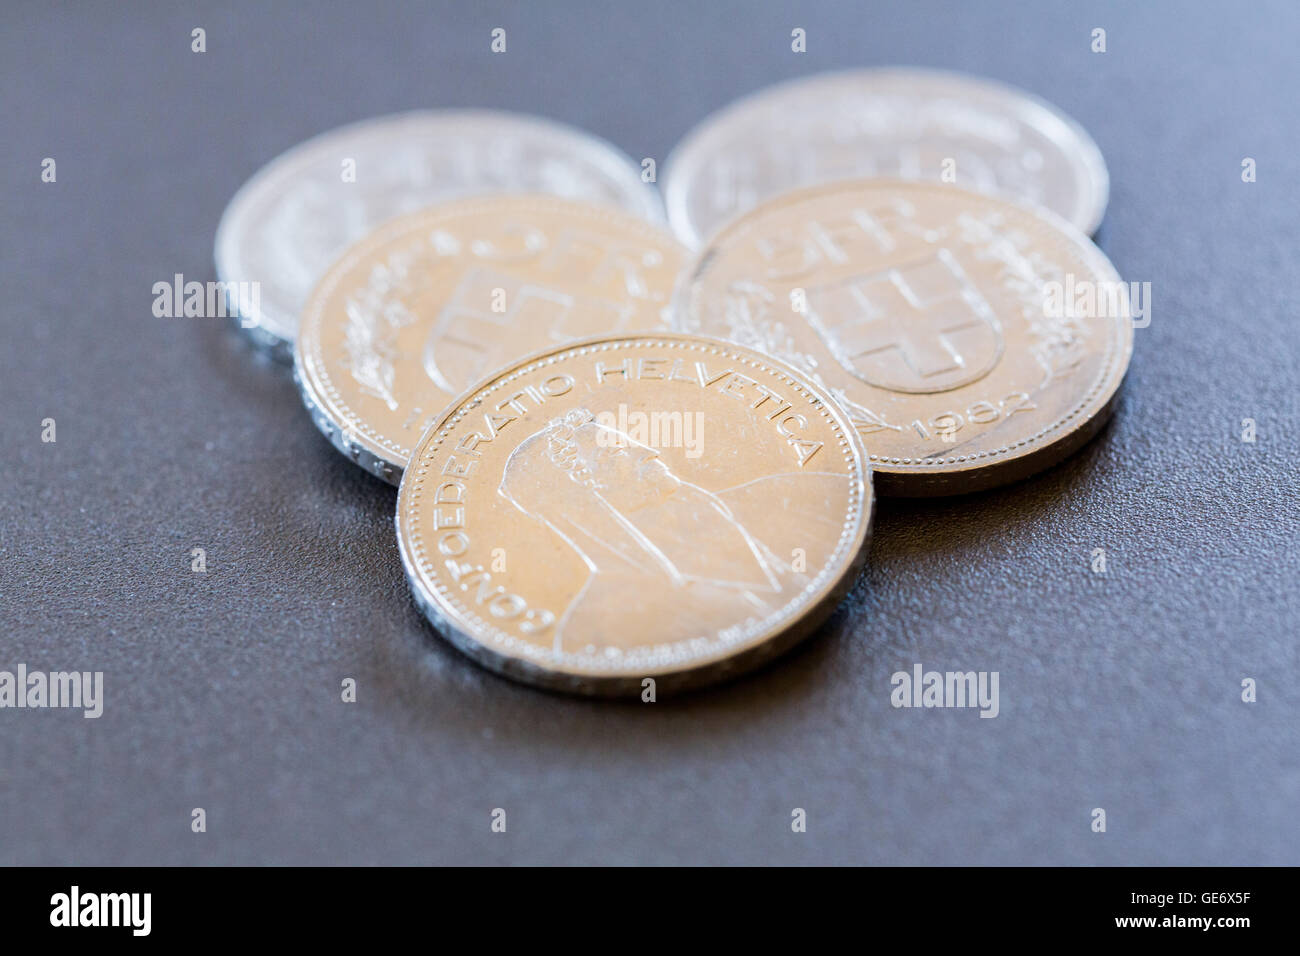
pixel 917 327
pixel 491 317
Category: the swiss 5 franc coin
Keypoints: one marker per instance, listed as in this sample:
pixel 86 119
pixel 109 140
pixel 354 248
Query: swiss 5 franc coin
pixel 972 340
pixel 428 304
pixel 299 213
pixel 633 512
pixel 901 123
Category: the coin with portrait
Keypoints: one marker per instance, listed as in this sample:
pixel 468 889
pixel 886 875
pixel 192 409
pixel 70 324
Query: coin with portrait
pixel 422 308
pixel 973 340
pixel 629 508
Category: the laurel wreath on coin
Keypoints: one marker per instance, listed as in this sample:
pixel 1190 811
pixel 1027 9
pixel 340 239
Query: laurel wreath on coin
pixel 376 312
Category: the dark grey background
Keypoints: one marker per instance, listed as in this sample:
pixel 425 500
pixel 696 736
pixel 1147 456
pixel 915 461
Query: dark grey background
pixel 1119 691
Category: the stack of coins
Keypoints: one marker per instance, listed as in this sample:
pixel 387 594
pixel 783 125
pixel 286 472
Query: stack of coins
pixel 627 467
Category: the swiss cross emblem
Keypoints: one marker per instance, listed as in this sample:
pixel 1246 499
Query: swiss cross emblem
pixel 918 327
pixel 470 338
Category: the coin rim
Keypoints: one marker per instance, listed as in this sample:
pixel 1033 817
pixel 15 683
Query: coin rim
pixel 276 333
pixel 334 417
pixel 987 469
pixel 1077 146
pixel 797 620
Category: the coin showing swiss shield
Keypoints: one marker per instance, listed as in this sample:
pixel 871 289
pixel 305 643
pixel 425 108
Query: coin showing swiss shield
pixel 422 308
pixel 906 123
pixel 630 513
pixel 300 212
pixel 972 340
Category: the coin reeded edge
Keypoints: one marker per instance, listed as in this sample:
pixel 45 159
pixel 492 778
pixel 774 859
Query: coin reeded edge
pixel 801 616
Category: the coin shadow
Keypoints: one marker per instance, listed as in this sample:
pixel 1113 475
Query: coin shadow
pixel 326 489
pixel 238 361
pixel 776 691
pixel 912 527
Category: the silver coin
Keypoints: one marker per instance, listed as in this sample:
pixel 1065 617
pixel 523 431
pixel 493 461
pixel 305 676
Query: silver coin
pixel 428 303
pixel 558 526
pixel 296 215
pixel 900 123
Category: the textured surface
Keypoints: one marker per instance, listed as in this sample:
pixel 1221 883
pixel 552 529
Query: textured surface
pixel 1119 691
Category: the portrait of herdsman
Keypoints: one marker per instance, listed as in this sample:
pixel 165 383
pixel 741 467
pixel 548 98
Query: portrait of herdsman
pixel 657 545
